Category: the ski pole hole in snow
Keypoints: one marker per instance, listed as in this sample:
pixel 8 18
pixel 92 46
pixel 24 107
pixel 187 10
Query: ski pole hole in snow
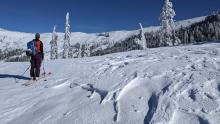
pixel 141 98
pixel 126 63
pixel 219 87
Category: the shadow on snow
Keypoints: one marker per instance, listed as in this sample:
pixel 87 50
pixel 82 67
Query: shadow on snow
pixel 14 76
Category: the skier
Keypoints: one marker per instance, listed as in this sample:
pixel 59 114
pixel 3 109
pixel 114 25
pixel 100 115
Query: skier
pixel 35 50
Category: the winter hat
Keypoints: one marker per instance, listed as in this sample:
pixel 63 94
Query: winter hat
pixel 37 36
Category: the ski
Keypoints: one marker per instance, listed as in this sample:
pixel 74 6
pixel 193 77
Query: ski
pixel 30 82
pixel 42 77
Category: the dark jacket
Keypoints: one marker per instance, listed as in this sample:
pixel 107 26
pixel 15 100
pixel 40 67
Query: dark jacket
pixel 34 49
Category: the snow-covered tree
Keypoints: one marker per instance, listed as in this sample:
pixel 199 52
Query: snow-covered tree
pixel 87 49
pixel 79 54
pixel 66 45
pixel 53 43
pixel 143 39
pixel 185 37
pixel 191 38
pixel 218 33
pixel 168 27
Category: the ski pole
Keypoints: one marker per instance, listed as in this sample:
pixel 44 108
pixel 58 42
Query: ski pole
pixel 44 69
pixel 44 72
pixel 26 70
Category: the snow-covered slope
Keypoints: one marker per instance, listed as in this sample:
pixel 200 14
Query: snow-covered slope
pixel 173 85
pixel 188 22
pixel 13 40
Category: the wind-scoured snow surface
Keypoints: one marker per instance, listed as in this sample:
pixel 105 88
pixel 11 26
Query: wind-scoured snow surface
pixel 172 85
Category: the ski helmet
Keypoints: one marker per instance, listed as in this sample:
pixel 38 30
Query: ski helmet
pixel 37 36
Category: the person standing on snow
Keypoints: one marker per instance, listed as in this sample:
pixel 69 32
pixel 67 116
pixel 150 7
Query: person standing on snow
pixel 36 51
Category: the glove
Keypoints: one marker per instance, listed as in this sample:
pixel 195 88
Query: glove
pixel 28 52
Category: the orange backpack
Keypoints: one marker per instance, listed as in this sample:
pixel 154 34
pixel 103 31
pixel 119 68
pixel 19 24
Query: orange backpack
pixel 38 46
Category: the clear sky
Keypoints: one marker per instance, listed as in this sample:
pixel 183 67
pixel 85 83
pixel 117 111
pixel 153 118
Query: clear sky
pixel 94 15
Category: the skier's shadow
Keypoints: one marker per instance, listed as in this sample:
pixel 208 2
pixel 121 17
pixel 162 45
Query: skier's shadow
pixel 14 77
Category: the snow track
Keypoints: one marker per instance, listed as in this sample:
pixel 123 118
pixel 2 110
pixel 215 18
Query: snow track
pixel 174 85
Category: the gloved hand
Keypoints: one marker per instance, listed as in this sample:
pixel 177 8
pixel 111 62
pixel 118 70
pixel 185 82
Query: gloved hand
pixel 28 52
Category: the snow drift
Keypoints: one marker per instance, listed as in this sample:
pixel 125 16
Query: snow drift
pixel 173 85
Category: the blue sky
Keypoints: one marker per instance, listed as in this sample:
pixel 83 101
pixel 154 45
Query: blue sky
pixel 94 15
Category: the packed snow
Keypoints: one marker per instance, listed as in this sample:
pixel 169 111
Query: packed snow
pixel 170 85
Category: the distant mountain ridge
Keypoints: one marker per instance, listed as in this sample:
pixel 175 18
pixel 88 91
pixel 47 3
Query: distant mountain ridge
pixel 82 43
